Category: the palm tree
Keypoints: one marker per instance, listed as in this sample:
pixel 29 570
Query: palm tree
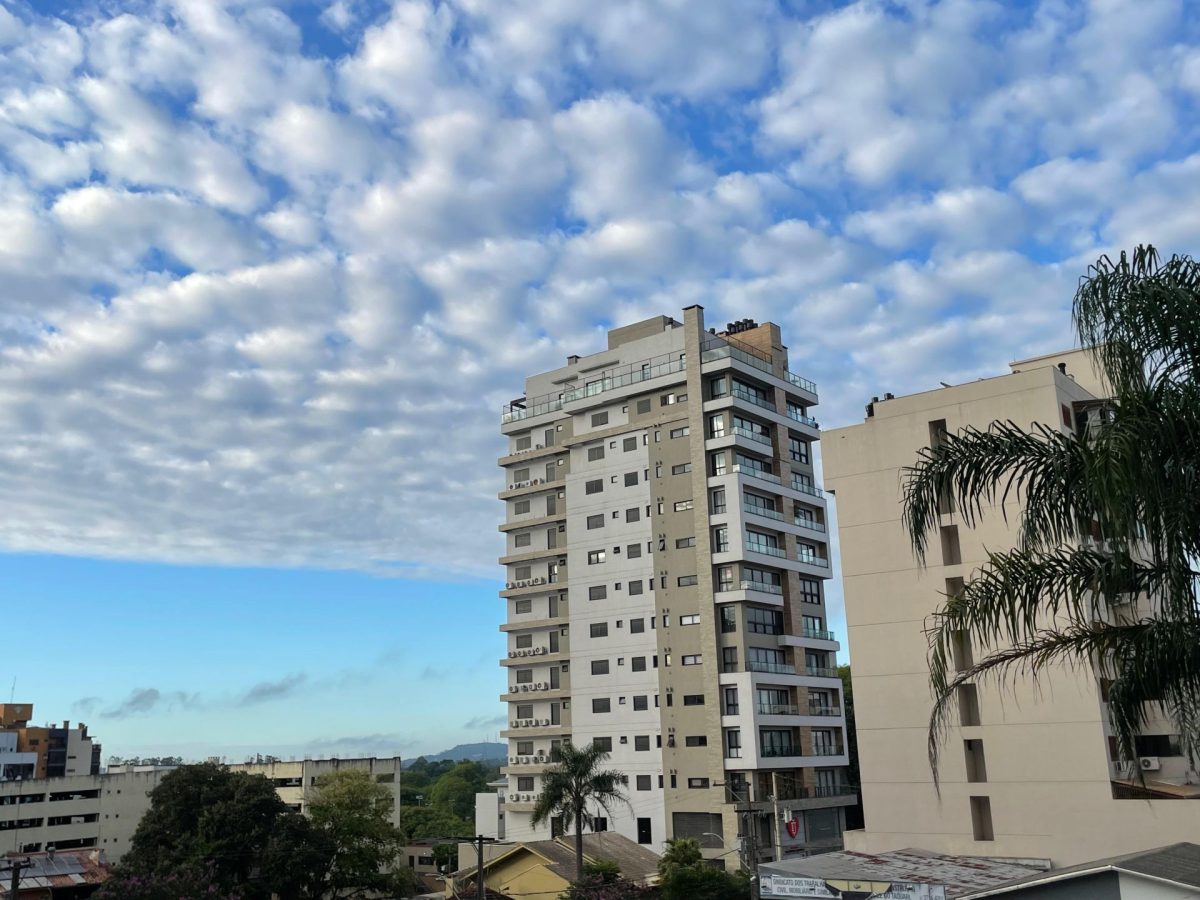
pixel 1102 573
pixel 572 785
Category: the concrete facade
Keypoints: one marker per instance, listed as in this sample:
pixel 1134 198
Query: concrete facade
pixel 664 566
pixel 1026 770
pixel 59 749
pixel 104 810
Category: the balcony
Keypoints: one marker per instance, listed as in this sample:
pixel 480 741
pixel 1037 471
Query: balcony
pixel 739 469
pixel 818 635
pixel 514 412
pixel 798 485
pixel 826 750
pixel 820 672
pixel 754 665
pixel 610 379
pixel 778 709
pixel 767 549
pixel 775 752
pixel 763 587
pixel 749 435
pixel 766 512
pixel 797 416
pixel 810 559
pixel 810 524
pixel 824 711
pixel 743 394
pixel 802 383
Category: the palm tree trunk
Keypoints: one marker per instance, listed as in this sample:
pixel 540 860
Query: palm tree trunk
pixel 579 845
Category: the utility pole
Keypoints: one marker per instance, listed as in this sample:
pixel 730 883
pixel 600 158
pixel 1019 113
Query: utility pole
pixel 15 866
pixel 481 886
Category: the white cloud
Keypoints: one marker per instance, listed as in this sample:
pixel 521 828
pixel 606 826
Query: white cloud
pixel 262 303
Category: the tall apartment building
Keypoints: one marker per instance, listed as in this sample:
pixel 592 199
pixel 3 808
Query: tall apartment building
pixel 1028 770
pixel 103 810
pixel 60 750
pixel 666 554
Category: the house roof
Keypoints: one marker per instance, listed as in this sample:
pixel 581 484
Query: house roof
pixel 957 874
pixel 1175 863
pixel 635 861
pixel 64 868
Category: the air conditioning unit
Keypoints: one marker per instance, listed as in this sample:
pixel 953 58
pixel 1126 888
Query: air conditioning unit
pixel 545 685
pixel 545 721
pixel 524 760
pixel 1149 763
pixel 516 723
pixel 538 651
pixel 512 653
pixel 537 481
pixel 541 758
pixel 540 447
pixel 511 486
pixel 512 797
pixel 512 759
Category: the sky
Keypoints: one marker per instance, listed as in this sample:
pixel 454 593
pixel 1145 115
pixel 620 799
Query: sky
pixel 268 272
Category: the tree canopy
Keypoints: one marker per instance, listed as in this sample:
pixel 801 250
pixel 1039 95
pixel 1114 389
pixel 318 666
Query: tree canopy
pixel 1102 574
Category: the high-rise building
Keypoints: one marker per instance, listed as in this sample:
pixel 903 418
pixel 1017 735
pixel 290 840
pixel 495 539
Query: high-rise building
pixel 1028 768
pixel 666 555
pixel 60 750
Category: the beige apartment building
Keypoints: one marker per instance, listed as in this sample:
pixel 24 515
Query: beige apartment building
pixel 666 556
pixel 103 810
pixel 1028 770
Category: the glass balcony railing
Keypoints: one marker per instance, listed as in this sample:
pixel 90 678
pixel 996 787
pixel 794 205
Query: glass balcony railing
pixel 749 472
pixel 778 709
pixel 824 711
pixel 610 379
pixel 756 510
pixel 777 751
pixel 755 665
pixel 797 416
pixel 826 750
pixel 805 488
pixel 763 587
pixel 817 635
pixel 810 524
pixel 514 412
pixel 820 672
pixel 759 547
pixel 810 559
pixel 750 397
pixel 810 386
pixel 751 435
pixel 713 350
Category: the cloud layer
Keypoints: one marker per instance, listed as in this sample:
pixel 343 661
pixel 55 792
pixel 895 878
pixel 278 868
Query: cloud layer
pixel 269 275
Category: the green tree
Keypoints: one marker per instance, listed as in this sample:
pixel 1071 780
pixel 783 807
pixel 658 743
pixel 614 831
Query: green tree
pixel 186 884
pixel 680 852
pixel 455 790
pixel 602 871
pixel 704 882
pixel 571 785
pixel 854 814
pixel 418 822
pixel 231 826
pixel 354 813
pixel 1110 514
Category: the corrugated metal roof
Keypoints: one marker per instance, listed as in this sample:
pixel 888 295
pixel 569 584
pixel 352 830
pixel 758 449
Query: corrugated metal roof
pixel 957 874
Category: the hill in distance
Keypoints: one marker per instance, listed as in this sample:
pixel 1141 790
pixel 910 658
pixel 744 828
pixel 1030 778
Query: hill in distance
pixel 482 751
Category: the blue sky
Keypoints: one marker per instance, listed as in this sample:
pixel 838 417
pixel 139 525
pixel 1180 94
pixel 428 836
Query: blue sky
pixel 270 269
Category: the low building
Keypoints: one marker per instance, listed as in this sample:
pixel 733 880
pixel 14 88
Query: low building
pixel 14 763
pixel 70 875
pixel 103 810
pixel 899 875
pixel 543 870
pixel 1168 872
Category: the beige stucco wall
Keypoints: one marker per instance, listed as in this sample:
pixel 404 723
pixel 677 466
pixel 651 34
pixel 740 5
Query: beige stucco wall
pixel 1044 744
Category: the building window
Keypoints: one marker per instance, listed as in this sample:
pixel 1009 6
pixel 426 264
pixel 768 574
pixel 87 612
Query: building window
pixel 524 641
pixel 728 620
pixel 629 443
pixel 693 619
pixel 976 766
pixel 524 676
pixel 595 556
pixel 603 743
pixel 525 783
pixel 721 539
pixel 633 514
pixel 725 578
pixel 522 540
pixel 716 426
pixel 981 818
pixel 717 501
pixel 631 479
pixel 598 592
pixel 521 507
pixel 693 699
pixel 524 710
pixel 522 573
pixel 598 629
pixel 680 432
pixel 601 705
pixel 595 486
pixel 640 703
pixel 697 782
pixel 598 419
pixel 682 505
pixel 522 606
pixel 763 621
pixel 695 740
pixel 681 469
pixel 596 521
pixel 686 580
pixel 635 587
pixel 595 453
pixel 683 543
pixel 636 626
pixel 643 782
pixel 633 551
pixel 798 450
pixel 692 660
pixel 638 663
pixel 731 701
pixel 600 667
pixel 810 590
